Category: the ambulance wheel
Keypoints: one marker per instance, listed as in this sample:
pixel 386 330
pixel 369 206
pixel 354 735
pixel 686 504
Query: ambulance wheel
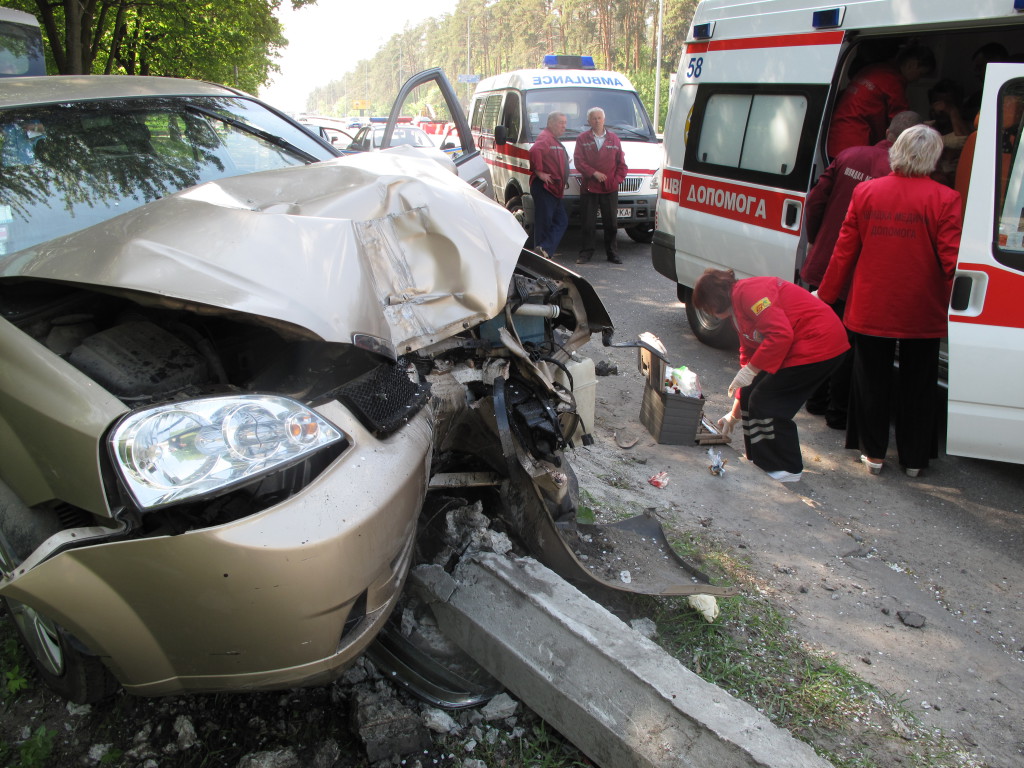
pixel 711 330
pixel 641 233
pixel 516 208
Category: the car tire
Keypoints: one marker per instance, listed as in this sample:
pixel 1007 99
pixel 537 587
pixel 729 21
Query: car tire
pixel 711 330
pixel 67 670
pixel 516 207
pixel 641 233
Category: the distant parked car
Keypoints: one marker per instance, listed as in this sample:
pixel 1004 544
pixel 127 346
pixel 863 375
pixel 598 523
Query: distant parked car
pixel 370 138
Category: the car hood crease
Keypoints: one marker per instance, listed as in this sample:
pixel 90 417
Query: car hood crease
pixel 390 244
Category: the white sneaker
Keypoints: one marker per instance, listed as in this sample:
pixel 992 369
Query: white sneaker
pixel 912 472
pixel 874 467
pixel 785 477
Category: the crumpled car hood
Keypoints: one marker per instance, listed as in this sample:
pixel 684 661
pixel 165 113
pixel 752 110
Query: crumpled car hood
pixel 390 244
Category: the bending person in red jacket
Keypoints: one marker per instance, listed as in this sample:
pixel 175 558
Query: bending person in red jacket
pixel 896 254
pixel 602 165
pixel 790 342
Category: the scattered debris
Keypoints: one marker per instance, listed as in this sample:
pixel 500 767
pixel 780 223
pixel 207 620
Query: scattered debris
pixel 386 726
pixel 659 480
pixel 439 721
pixel 500 707
pixel 717 466
pixel 274 758
pixel 911 619
pixel 645 627
pixel 604 368
pixel 706 604
pixel 624 441
pixel 625 577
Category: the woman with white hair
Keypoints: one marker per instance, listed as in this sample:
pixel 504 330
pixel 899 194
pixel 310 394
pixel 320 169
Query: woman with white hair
pixel 897 254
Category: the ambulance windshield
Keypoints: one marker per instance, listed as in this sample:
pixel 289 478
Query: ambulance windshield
pixel 624 114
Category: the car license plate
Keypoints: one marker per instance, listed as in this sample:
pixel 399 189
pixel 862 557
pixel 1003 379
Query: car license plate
pixel 624 213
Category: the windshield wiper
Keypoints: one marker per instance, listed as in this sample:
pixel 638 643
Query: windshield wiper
pixel 270 138
pixel 634 131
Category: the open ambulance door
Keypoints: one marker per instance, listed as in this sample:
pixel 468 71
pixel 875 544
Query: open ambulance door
pixel 986 316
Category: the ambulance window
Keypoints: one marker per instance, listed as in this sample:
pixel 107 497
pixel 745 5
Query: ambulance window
pixel 512 116
pixel 485 115
pixel 755 133
pixel 1010 223
pixel 725 120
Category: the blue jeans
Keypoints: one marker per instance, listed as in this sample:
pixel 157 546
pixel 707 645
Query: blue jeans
pixel 549 218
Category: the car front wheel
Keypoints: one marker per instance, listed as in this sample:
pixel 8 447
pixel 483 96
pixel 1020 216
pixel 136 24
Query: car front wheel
pixel 70 672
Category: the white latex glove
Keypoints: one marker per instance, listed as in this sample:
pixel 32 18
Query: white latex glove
pixel 726 424
pixel 706 604
pixel 743 378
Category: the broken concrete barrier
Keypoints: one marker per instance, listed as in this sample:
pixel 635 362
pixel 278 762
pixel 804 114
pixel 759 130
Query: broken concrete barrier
pixel 616 695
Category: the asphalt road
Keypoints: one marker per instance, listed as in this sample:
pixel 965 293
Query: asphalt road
pixel 846 551
pixel 639 299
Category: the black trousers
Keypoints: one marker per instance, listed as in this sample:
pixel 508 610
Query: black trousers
pixel 832 398
pixel 768 406
pixel 608 203
pixel 910 392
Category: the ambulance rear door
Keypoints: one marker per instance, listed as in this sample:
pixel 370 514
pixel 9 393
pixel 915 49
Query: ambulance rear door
pixel 986 316
pixel 750 153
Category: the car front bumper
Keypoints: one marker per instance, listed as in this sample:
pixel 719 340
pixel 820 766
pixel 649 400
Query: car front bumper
pixel 258 603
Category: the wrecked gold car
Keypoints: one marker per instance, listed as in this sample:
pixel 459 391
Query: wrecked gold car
pixel 219 346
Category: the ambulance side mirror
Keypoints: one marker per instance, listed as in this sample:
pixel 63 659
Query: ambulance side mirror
pixel 500 135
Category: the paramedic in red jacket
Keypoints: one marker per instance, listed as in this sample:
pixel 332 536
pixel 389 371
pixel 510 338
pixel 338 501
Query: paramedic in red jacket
pixel 789 343
pixel 549 169
pixel 826 208
pixel 896 254
pixel 602 166
pixel 874 97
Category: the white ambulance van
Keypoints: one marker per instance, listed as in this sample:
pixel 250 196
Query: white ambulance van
pixel 745 140
pixel 510 110
pixel 21 44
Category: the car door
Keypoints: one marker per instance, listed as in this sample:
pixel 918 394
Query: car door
pixel 432 88
pixel 986 316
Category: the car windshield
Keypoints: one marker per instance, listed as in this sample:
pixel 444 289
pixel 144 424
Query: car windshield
pixel 64 167
pixel 623 112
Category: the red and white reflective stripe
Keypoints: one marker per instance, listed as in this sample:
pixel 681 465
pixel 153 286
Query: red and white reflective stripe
pixel 671 183
pixel 1002 298
pixel 740 202
pixel 776 41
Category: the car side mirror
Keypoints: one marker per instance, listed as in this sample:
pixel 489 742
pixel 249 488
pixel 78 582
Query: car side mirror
pixel 500 135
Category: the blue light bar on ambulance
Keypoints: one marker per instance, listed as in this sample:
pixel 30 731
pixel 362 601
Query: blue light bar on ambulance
pixel 1018 5
pixel 833 17
pixel 704 31
pixel 552 61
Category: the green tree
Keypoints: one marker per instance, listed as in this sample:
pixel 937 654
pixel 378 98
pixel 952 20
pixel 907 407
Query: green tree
pixel 226 41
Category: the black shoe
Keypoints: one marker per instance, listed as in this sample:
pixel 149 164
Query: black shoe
pixel 815 409
pixel 614 259
pixel 581 259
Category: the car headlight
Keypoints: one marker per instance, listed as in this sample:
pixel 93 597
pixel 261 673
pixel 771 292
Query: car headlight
pixel 181 450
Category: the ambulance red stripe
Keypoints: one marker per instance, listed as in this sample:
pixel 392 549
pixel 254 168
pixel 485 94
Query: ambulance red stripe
pixel 1002 298
pixel 739 202
pixel 777 41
